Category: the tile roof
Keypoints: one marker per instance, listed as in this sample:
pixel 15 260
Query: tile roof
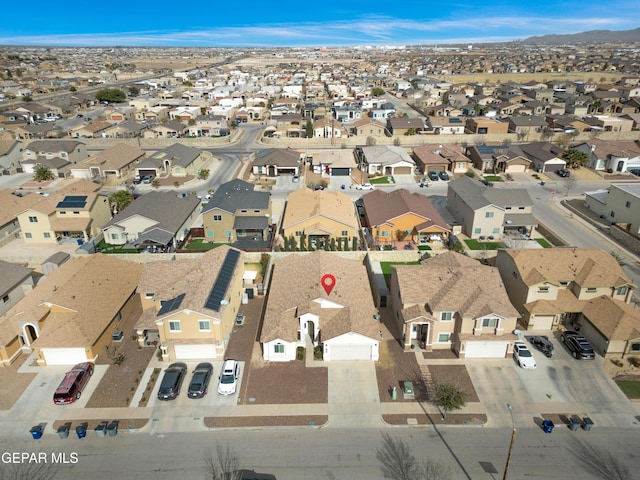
pixel 115 158
pixel 11 205
pixel 437 155
pixel 296 289
pixel 12 275
pixel 53 146
pixel 304 204
pixel 477 195
pixel 79 300
pixel 279 157
pixel 450 282
pixel 179 154
pixel 386 155
pixel 616 320
pixel 587 267
pixel 383 207
pixel 80 187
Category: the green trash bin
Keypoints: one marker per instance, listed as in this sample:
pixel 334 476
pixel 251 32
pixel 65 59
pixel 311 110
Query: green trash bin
pixel 587 423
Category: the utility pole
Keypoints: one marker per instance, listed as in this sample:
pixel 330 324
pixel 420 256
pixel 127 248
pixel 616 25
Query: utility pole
pixel 513 440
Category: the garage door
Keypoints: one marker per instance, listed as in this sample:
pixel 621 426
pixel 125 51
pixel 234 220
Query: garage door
pixel 516 169
pixel 194 352
pixel 402 171
pixel 64 356
pixel 350 352
pixel 142 172
pixel 340 172
pixel 486 349
pixel 541 322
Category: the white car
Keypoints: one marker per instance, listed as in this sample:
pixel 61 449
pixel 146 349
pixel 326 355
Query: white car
pixel 523 355
pixel 229 377
pixel 365 186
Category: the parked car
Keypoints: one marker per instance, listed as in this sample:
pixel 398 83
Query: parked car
pixel 137 180
pixel 486 182
pixel 542 343
pixel 365 186
pixel 295 178
pixel 172 381
pixel 200 380
pixel 73 383
pixel 240 319
pixel 563 172
pixel 433 176
pixel 443 175
pixel 579 346
pixel 229 377
pixel 523 355
pixel 148 178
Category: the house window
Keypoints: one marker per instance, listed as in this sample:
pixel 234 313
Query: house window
pixel 210 233
pixel 443 337
pixel 520 208
pixel 204 325
pixel 149 295
pixel 385 233
pixel 217 218
pixel 628 204
pixel 243 211
pixel 278 348
pixel 507 208
pixel 5 299
pixel 621 291
pixel 488 215
pixel 446 316
pixel 227 233
pixel 477 230
pixel 47 235
pixel 496 230
pixel 76 213
pixel 114 236
pixel 613 214
pixel 298 233
pixel 27 235
pixel 490 322
pixel 63 213
pixel 256 211
pixel 635 347
pixel 591 289
pixel 174 326
pixel 564 283
pixel 344 233
pixel 33 219
pixel 543 289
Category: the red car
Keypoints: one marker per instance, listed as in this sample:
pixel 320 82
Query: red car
pixel 73 383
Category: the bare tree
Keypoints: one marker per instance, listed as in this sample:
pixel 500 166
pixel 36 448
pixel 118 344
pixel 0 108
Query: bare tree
pixel 599 461
pixel 398 463
pixel 222 464
pixel 569 184
pixel 34 470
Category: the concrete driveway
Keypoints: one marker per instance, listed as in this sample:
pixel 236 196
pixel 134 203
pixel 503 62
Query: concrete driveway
pixel 560 385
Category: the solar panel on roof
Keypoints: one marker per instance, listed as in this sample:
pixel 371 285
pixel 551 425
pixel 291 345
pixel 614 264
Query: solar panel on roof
pixel 485 148
pixel 171 305
pixel 223 279
pixel 455 120
pixel 73 201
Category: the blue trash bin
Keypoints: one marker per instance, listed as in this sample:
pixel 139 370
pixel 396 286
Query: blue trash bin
pixel 36 431
pixel 547 426
pixel 81 430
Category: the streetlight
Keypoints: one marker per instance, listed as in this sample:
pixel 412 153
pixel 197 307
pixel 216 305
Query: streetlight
pixel 513 440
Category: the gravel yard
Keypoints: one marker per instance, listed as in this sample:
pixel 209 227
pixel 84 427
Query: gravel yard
pixel 13 383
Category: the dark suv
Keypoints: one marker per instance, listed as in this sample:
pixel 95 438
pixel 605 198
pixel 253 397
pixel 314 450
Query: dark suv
pixel 172 381
pixel 73 383
pixel 579 346
pixel 200 380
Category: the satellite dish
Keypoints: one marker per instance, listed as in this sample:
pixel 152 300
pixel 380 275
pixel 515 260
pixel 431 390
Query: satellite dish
pixel 516 332
pixel 224 302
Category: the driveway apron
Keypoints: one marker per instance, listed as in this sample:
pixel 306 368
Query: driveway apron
pixel 353 395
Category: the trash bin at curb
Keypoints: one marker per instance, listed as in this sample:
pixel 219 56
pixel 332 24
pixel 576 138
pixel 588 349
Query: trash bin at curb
pixel 113 428
pixel 101 429
pixel 63 430
pixel 547 426
pixel 81 430
pixel 587 423
pixel 574 423
pixel 36 431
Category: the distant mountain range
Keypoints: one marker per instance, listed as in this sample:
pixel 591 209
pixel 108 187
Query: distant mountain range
pixel 593 36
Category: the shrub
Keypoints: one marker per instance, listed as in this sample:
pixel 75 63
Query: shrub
pixel 300 353
pixel 470 173
pixel 634 361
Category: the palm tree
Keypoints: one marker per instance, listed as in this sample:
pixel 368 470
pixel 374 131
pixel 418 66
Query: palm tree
pixel 42 174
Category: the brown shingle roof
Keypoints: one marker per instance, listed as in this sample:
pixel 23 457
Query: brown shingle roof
pixel 384 207
pixel 305 203
pixel 296 286
pixel 616 320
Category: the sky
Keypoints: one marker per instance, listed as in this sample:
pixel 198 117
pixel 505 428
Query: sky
pixel 290 23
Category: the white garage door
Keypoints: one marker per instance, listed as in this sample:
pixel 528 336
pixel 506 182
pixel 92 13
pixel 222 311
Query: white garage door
pixel 194 352
pixel 541 322
pixel 350 352
pixel 516 169
pixel 486 349
pixel 64 356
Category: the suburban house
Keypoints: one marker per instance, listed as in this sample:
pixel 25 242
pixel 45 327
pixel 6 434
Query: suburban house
pixel 335 163
pixel 606 123
pixel 190 305
pixel 170 129
pixel 544 156
pixel 498 158
pixel 56 155
pixel 290 125
pixel 620 204
pixel 72 314
pixel 412 214
pixel 440 158
pixel 90 130
pixel 611 155
pixel 154 221
pixel 366 127
pixel 210 126
pixel 384 160
pixel 487 213
pixel 320 217
pixel 487 126
pixel 15 282
pixel 127 129
pixel 446 125
pixel 405 126
pixel 325 128
pixel 236 211
pixel 453 302
pixel 582 289
pixel 275 162
pixel 115 162
pixel 301 312
pixel 177 160
pixel 10 156
pixel 527 125
pixel 74 214
pixel 12 206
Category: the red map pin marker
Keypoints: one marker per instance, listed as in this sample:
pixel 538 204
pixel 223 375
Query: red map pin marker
pixel 328 281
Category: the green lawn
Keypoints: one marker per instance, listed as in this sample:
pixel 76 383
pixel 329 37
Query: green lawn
pixel 493 178
pixel 424 247
pixel 476 245
pixel 106 248
pixel 386 268
pixel 382 180
pixel 543 243
pixel 629 387
pixel 200 244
